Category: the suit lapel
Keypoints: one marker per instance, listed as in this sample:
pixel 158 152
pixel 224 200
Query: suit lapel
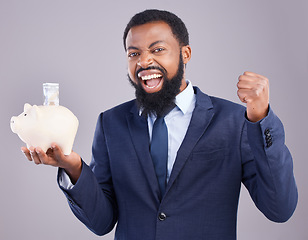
pixel 201 118
pixel 138 128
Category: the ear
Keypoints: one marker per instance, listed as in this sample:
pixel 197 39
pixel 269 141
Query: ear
pixel 186 53
pixel 27 106
pixel 36 111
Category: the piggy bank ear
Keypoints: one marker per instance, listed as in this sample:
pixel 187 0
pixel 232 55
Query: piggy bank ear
pixel 27 106
pixel 36 111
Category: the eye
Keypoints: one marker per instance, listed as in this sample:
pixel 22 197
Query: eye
pixel 133 54
pixel 157 50
pixel 25 114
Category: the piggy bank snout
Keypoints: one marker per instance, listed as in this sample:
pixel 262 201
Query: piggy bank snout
pixel 14 124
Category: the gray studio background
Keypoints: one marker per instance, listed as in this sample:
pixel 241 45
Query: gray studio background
pixel 79 44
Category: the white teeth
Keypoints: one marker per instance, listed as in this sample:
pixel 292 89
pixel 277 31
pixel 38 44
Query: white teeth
pixel 148 77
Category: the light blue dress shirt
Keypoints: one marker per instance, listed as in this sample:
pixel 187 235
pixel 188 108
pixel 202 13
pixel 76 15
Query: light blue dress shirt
pixel 177 122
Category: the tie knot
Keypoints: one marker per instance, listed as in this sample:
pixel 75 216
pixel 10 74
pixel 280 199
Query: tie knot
pixel 159 120
pixel 167 110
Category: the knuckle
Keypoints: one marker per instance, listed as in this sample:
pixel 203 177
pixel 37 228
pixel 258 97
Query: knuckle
pixel 257 92
pixel 265 81
pixel 261 87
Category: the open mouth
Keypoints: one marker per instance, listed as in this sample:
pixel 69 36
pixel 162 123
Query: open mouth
pixel 151 81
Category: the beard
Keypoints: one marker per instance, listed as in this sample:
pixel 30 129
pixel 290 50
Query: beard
pixel 161 102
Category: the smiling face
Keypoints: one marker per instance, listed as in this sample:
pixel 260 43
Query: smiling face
pixel 153 56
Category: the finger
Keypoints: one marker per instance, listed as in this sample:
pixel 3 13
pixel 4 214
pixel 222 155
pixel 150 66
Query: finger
pixel 249 95
pixel 253 86
pixel 252 82
pixel 26 153
pixel 245 95
pixel 248 73
pixel 248 78
pixel 245 85
pixel 241 96
pixel 34 156
pixel 58 153
pixel 42 156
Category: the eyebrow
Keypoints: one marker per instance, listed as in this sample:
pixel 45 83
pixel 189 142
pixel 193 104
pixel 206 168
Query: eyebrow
pixel 151 45
pixel 154 43
pixel 130 47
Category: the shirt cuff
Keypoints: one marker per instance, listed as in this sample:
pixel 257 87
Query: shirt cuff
pixel 64 180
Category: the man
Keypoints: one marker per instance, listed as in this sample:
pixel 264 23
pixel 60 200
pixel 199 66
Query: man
pixel 213 146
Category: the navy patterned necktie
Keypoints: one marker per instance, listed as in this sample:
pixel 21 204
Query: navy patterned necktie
pixel 159 151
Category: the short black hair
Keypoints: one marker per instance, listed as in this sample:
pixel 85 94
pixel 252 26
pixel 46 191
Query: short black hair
pixel 177 26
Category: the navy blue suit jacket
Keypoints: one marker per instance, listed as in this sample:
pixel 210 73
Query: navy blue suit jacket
pixel 220 151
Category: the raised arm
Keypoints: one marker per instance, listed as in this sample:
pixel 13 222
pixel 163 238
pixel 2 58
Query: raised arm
pixel 267 163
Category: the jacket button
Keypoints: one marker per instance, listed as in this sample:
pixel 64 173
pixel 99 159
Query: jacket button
pixel 270 143
pixel 268 138
pixel 162 216
pixel 267 131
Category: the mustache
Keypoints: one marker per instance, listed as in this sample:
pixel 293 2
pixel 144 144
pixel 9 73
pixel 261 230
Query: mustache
pixel 162 69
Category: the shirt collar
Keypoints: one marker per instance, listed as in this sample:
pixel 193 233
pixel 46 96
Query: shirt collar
pixel 184 99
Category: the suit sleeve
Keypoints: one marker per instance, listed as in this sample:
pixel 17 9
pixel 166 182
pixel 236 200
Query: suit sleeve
pixel 92 198
pixel 267 167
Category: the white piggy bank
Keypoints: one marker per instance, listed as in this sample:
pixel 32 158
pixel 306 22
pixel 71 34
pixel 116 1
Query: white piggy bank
pixel 39 126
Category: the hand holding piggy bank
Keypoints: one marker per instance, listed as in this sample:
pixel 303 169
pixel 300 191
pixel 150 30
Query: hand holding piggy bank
pixel 40 126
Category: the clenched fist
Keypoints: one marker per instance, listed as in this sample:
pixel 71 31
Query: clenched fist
pixel 253 89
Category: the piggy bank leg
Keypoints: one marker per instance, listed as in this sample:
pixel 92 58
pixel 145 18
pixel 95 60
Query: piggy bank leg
pixel 43 147
pixel 67 150
pixel 67 146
